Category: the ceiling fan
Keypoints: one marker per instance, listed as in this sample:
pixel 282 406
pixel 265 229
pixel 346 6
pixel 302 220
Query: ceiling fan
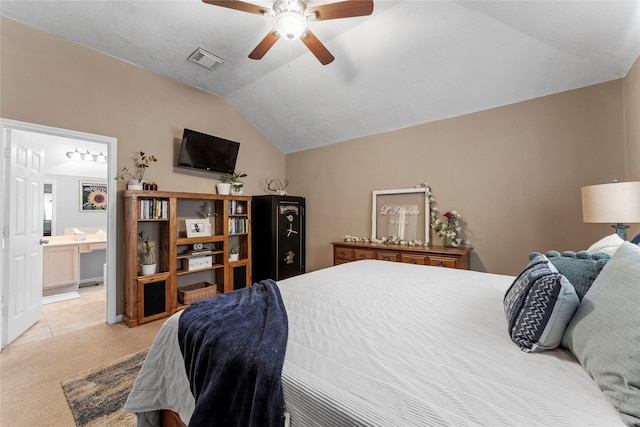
pixel 291 18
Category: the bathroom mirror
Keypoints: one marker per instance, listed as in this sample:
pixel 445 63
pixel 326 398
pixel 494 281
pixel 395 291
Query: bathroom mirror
pixel 48 209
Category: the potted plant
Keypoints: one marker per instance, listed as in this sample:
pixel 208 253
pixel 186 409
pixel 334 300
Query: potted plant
pixel 142 162
pixel 234 253
pixel 146 255
pixel 237 186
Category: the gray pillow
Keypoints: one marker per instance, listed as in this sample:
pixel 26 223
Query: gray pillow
pixel 539 305
pixel 581 268
pixel 604 334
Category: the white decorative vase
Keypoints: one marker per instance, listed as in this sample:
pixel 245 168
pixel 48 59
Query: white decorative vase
pixel 223 188
pixel 135 184
pixel 234 257
pixel 237 190
pixel 148 269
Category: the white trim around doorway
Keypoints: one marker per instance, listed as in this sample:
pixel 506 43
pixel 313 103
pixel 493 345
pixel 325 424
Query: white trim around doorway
pixel 110 268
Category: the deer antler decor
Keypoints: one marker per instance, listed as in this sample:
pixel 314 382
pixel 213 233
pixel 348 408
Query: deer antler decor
pixel 281 187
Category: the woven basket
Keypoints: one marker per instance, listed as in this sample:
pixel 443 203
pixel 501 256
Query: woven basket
pixel 192 293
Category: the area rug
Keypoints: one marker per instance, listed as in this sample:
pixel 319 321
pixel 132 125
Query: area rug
pixel 97 397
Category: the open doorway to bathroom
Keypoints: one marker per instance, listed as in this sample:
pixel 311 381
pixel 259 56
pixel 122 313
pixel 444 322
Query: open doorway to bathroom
pixel 76 229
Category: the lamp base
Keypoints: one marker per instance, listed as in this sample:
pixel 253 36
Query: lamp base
pixel 621 230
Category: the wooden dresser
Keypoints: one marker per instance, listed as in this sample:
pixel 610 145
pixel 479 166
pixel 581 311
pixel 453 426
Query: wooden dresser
pixel 433 255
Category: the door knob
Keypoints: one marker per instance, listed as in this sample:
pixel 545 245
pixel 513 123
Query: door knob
pixel 43 241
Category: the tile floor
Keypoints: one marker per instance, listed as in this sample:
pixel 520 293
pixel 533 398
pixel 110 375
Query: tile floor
pixel 61 317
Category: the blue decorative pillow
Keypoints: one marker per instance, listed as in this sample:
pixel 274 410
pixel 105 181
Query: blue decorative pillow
pixel 539 305
pixel 580 268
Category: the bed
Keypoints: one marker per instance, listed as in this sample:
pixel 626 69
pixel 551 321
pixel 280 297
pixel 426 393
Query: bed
pixel 375 343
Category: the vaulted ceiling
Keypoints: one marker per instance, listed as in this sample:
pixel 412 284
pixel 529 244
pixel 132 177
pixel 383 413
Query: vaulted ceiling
pixel 409 62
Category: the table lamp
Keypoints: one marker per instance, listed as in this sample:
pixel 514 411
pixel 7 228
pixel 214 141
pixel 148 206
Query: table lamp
pixel 617 202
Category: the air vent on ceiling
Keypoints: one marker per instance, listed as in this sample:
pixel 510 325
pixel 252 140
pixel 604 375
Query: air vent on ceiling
pixel 207 59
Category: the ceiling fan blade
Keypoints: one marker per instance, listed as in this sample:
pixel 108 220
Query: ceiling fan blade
pixel 317 48
pixel 264 46
pixel 240 5
pixel 343 9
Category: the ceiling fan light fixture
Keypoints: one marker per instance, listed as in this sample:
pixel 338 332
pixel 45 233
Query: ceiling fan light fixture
pixel 290 25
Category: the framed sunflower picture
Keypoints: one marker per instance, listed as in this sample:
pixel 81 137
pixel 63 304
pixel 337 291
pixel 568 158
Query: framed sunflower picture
pixel 93 196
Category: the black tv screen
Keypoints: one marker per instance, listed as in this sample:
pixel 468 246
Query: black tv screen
pixel 207 152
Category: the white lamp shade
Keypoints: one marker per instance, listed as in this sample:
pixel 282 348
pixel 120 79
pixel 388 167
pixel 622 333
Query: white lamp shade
pixel 611 203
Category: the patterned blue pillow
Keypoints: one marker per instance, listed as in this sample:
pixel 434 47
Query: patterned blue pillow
pixel 539 305
pixel 580 268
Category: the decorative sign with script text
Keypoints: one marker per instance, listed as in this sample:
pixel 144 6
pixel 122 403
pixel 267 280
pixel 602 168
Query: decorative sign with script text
pixel 400 215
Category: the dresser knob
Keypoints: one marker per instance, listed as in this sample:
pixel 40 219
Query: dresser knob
pixel 442 264
pixel 362 256
pixel 412 261
pixel 386 258
pixel 343 253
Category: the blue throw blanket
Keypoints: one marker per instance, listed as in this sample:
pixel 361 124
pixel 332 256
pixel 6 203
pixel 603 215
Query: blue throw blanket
pixel 233 346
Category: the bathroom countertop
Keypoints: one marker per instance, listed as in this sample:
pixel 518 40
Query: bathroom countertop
pixel 91 242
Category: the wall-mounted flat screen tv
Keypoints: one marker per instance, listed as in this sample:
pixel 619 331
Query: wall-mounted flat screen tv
pixel 208 153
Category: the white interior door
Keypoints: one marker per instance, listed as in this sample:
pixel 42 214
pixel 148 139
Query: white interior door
pixel 25 212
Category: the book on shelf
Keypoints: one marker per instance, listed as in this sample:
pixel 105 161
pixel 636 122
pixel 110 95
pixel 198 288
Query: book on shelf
pixel 153 209
pixel 200 252
pixel 236 207
pixel 238 225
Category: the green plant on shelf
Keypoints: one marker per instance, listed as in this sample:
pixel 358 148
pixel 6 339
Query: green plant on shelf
pixel 234 178
pixel 145 250
pixel 234 250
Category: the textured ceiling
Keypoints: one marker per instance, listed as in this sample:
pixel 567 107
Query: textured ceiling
pixel 410 62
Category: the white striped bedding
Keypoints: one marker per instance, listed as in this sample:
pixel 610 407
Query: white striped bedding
pixel 374 343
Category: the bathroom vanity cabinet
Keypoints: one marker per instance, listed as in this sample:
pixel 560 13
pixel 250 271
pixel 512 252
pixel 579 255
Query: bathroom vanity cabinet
pixel 61 261
pixel 61 269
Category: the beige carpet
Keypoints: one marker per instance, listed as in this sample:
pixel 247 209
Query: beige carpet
pixel 97 397
pixel 31 373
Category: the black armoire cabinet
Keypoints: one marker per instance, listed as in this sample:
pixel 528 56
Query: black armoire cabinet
pixel 278 242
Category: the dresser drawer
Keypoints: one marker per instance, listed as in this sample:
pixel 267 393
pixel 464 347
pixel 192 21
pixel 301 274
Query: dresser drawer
pixel 359 254
pixel 415 259
pixel 343 253
pixel 419 255
pixel 443 261
pixel 388 256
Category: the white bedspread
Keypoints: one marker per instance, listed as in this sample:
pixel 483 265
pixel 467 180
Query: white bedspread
pixel 375 343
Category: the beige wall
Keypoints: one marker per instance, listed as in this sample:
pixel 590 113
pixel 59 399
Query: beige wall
pixel 48 80
pixel 513 172
pixel 632 120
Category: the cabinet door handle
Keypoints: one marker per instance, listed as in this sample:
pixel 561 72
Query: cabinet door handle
pixel 386 258
pixel 442 264
pixel 343 253
pixel 412 261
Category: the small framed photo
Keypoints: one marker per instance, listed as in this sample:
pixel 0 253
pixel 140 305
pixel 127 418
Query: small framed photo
pixel 93 196
pixel 198 227
pixel 401 214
